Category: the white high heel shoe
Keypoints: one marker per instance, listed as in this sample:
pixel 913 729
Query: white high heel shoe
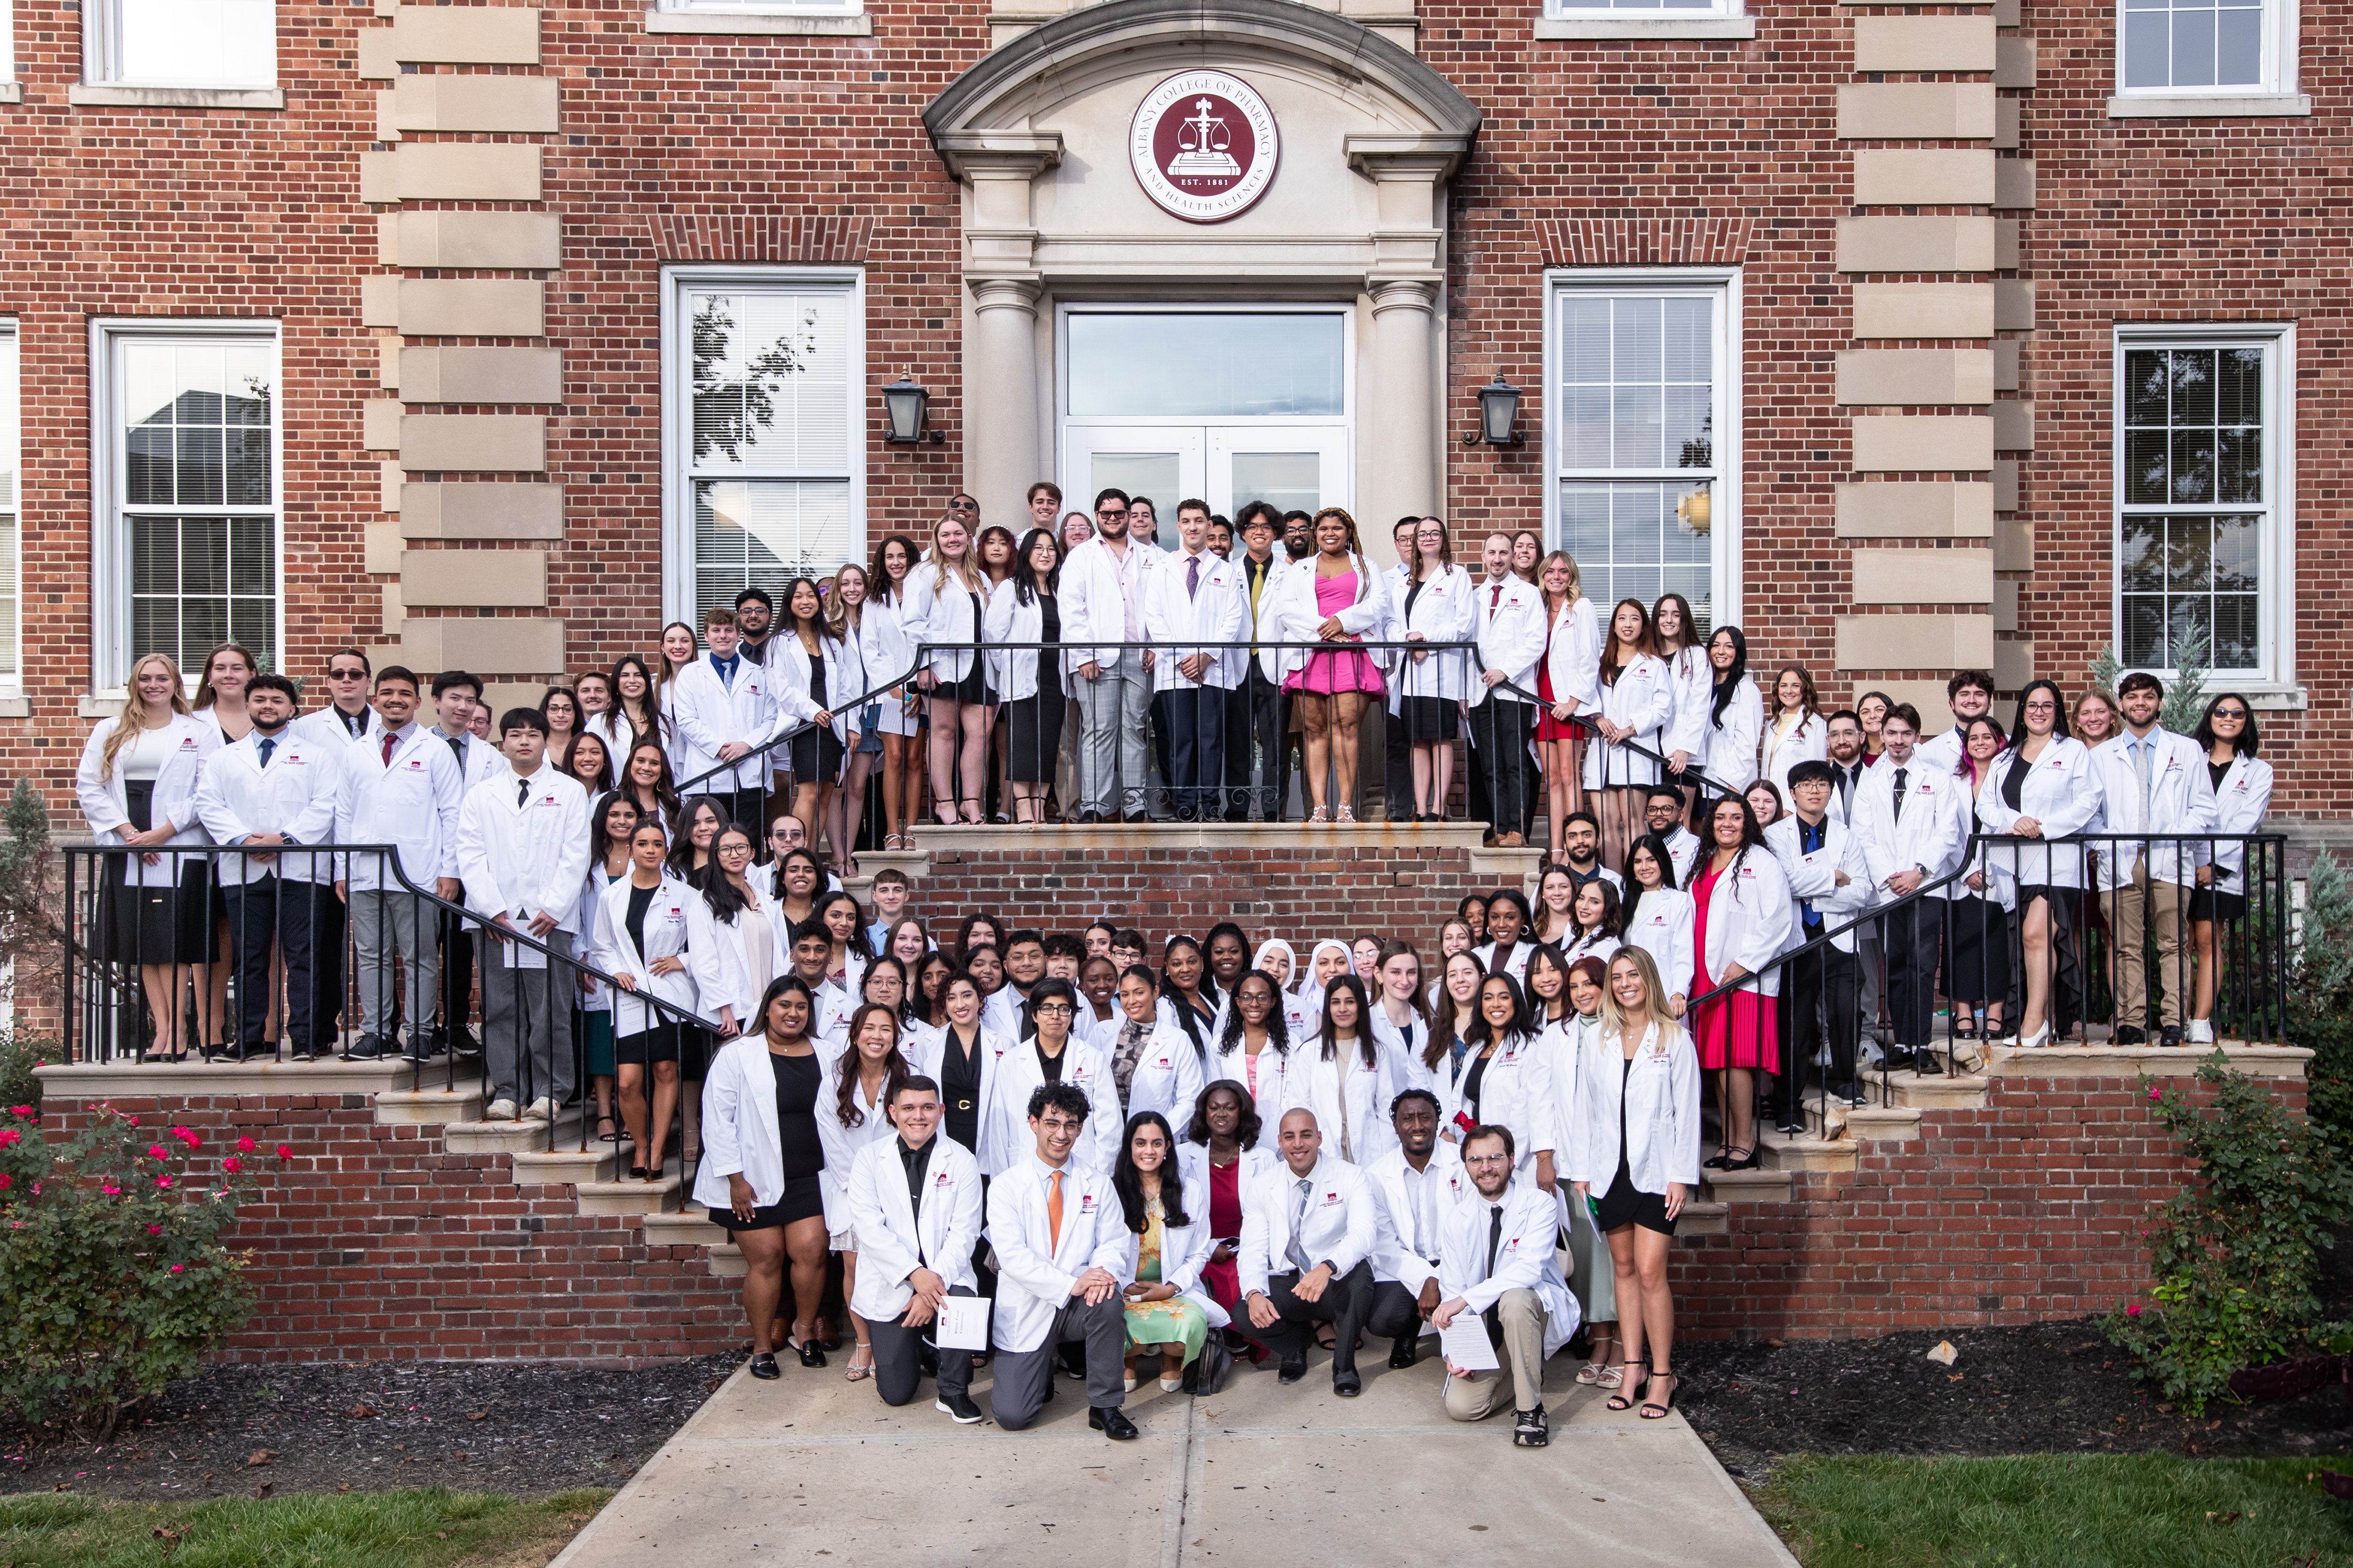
pixel 2034 1041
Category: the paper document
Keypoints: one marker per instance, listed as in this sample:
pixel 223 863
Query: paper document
pixel 1466 1344
pixel 964 1324
pixel 527 957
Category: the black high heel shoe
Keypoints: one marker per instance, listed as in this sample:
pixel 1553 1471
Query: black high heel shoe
pixel 1751 1159
pixel 1657 1409
pixel 1629 1390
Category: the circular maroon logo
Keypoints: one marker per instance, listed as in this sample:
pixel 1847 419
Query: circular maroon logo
pixel 1204 145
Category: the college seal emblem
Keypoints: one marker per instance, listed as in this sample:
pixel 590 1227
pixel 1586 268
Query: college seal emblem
pixel 1204 146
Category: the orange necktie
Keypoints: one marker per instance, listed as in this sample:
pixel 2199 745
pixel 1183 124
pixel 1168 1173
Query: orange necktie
pixel 1054 1211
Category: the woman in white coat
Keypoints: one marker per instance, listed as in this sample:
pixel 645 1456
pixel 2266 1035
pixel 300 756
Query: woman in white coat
pixel 1736 714
pixel 889 655
pixel 1257 1049
pixel 2243 793
pixel 1636 700
pixel 1636 1145
pixel 1506 1081
pixel 2047 791
pixel 1659 920
pixel 1035 684
pixel 1344 1077
pixel 971 1057
pixel 1053 1052
pixel 1741 914
pixel 1334 596
pixel 1401 1017
pixel 851 1112
pixel 1798 734
pixel 1692 678
pixel 137 786
pixel 816 681
pixel 1223 1159
pixel 762 1172
pixel 1155 1063
pixel 1567 684
pixel 1167 1221
pixel 947 599
pixel 845 619
pixel 1432 604
pixel 655 936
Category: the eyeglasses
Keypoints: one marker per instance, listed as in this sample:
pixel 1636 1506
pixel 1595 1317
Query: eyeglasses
pixel 347 675
pixel 2230 712
pixel 2042 708
pixel 1486 1159
pixel 965 505
pixel 1056 1009
pixel 1110 511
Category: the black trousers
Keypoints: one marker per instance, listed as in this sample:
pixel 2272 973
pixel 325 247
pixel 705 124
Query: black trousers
pixel 1499 742
pixel 1394 1314
pixel 899 1357
pixel 1255 753
pixel 1192 721
pixel 274 912
pixel 1343 1305
pixel 457 975
pixel 1823 977
pixel 1911 936
pixel 1397 768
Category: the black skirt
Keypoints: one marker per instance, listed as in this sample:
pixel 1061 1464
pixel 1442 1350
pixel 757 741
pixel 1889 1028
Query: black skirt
pixel 178 924
pixel 1976 951
pixel 2207 903
pixel 816 757
pixel 662 1043
pixel 803 1199
pixel 1429 720
pixel 1623 1204
pixel 1036 738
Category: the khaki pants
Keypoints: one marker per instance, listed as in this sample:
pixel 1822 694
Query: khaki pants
pixel 1480 1394
pixel 2130 911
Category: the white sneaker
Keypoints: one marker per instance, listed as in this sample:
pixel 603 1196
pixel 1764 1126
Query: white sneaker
pixel 2199 1032
pixel 541 1110
pixel 500 1110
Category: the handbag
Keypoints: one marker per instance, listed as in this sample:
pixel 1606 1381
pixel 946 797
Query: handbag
pixel 1206 1372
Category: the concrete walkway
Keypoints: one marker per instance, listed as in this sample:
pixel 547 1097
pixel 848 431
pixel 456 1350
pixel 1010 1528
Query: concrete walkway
pixel 811 1465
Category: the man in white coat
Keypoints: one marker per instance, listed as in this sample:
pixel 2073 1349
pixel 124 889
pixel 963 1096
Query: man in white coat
pixel 1969 695
pixel 1498 1263
pixel 404 791
pixel 347 716
pixel 1308 1238
pixel 1061 1245
pixel 1826 884
pixel 723 708
pixel 1907 821
pixel 1254 737
pixel 457 696
pixel 914 1204
pixel 2151 781
pixel 1193 611
pixel 1102 596
pixel 1663 811
pixel 1511 629
pixel 266 793
pixel 1418 1183
pixel 523 853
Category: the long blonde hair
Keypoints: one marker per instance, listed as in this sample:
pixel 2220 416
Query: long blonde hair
pixel 135 712
pixel 967 571
pixel 1616 1023
pixel 841 618
pixel 1575 581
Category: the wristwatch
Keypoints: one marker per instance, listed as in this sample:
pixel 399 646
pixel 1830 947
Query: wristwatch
pixel 1326 1263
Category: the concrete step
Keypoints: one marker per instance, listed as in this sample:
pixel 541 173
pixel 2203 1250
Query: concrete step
pixel 1808 1153
pixel 565 1167
pixel 1965 1091
pixel 513 1137
pixel 626 1197
pixel 688 1226
pixel 2103 1060
pixel 1883 1124
pixel 727 1258
pixel 129 1078
pixel 428 1107
pixel 1757 1186
pixel 1701 1216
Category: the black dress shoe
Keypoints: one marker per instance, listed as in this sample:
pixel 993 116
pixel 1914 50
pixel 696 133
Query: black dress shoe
pixel 1112 1423
pixel 1294 1367
pixel 812 1353
pixel 1402 1351
pixel 2170 1034
pixel 958 1408
pixel 1347 1384
pixel 2129 1034
pixel 765 1368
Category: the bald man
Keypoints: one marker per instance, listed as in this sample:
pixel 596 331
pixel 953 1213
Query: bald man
pixel 1308 1235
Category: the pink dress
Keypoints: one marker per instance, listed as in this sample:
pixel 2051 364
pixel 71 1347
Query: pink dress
pixel 1329 672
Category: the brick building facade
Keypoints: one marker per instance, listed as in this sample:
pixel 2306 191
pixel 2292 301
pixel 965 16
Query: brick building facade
pixel 1908 337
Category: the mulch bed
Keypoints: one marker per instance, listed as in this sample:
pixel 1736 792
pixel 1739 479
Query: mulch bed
pixel 505 1426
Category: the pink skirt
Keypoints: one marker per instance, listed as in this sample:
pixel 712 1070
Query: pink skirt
pixel 1326 673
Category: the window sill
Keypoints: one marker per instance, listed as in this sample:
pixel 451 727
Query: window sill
pixel 114 95
pixel 16 708
pixel 859 27
pixel 1572 28
pixel 2254 106
pixel 101 707
pixel 12 93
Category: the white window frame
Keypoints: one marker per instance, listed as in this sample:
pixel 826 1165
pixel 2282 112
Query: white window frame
pixel 110 619
pixel 2275 591
pixel 2277 79
pixel 678 407
pixel 1566 19
pixel 102 56
pixel 759 7
pixel 1722 284
pixel 9 49
pixel 12 455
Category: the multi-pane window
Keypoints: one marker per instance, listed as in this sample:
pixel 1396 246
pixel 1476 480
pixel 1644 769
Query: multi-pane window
pixel 2193 44
pixel 770 442
pixel 194 489
pixel 1636 392
pixel 224 44
pixel 1638 7
pixel 2196 493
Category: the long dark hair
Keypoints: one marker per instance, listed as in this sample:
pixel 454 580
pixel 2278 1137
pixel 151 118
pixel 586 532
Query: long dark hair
pixel 1482 1034
pixel 719 890
pixel 2245 746
pixel 1647 643
pixel 1729 681
pixel 571 754
pixel 896 1068
pixel 1613 913
pixel 652 698
pixel 1550 958
pixel 857 946
pixel 1329 1039
pixel 682 843
pixel 1751 835
pixel 1025 576
pixel 1186 1019
pixel 600 841
pixel 880 584
pixel 1246 1130
pixel 776 875
pixel 1657 846
pixel 777 987
pixel 915 998
pixel 1278 1033
pixel 1444 1023
pixel 1128 1182
pixel 665 785
pixel 2058 713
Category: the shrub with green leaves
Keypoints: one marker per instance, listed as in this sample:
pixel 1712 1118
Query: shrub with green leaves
pixel 113 1277
pixel 2320 1000
pixel 2236 1250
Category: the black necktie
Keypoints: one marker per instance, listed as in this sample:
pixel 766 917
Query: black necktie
pixel 1899 794
pixel 1492 1316
pixel 265 747
pixel 522 792
pixel 457 750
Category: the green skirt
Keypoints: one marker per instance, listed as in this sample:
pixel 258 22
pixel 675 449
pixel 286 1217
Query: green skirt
pixel 1174 1321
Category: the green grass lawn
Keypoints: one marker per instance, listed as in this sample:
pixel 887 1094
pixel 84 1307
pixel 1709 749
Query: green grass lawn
pixel 2144 1510
pixel 431 1529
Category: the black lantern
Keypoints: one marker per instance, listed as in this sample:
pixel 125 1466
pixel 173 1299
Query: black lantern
pixel 1498 411
pixel 903 404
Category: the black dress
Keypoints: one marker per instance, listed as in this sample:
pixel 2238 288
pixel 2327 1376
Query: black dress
pixel 1977 940
pixel 663 1037
pixel 973 687
pixel 1624 1204
pixel 798 1080
pixel 1426 720
pixel 960 1089
pixel 816 751
pixel 148 925
pixel 1036 719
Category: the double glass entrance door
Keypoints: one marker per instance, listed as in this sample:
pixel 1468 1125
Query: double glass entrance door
pixel 1226 465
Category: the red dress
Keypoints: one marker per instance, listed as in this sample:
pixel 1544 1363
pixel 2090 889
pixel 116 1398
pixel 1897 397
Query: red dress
pixel 1738 1031
pixel 1223 1280
pixel 1548 727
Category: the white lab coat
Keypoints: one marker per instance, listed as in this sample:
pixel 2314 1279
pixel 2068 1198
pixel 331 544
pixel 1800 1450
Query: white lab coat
pixel 1347 1093
pixel 1341 1224
pixel 1590 944
pixel 324 724
pixel 844 1145
pixel 1573 654
pixel 1809 742
pixel 790 704
pixel 2240 805
pixel 1168 1075
pixel 1395 1258
pixel 1515 1092
pixel 1094 590
pixel 1207 622
pixel 1660 926
pixel 678 925
pixel 1442 613
pixel 1014 671
pixel 1404 1048
pixel 1642 699
pixel 1297 620
pixel 1748 918
pixel 1510 632
pixel 294 795
pixel 741 1135
pixel 413 804
pixel 1085 1069
pixel 2180 800
pixel 1194 1161
pixel 1691 681
pixel 1526 1260
pixel 2061 794
pixel 1184 1248
pixel 105 802
pixel 1036 1271
pixel 944 613
pixel 993 1047
pixel 523 861
pixel 894 1240
pixel 1566 1042
pixel 1660 1093
pixel 1729 754
pixel 1928 837
pixel 1276 1090
pixel 1262 622
pixel 482 762
pixel 884 648
pixel 708 713
pixel 1814 877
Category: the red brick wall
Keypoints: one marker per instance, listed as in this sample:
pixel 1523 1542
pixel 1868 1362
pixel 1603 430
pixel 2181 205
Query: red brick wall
pixel 2028 1209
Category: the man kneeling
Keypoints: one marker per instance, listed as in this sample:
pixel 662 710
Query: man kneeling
pixel 1497 1262
pixel 914 1201
pixel 1309 1233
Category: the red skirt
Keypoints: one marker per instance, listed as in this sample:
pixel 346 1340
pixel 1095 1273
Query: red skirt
pixel 1548 727
pixel 1742 1030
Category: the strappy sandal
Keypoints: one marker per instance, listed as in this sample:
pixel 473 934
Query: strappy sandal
pixel 855 1373
pixel 612 1137
pixel 1319 817
pixel 1625 1397
pixel 1348 817
pixel 1657 1409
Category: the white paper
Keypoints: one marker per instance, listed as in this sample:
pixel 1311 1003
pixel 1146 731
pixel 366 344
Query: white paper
pixel 526 957
pixel 964 1324
pixel 1465 1344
